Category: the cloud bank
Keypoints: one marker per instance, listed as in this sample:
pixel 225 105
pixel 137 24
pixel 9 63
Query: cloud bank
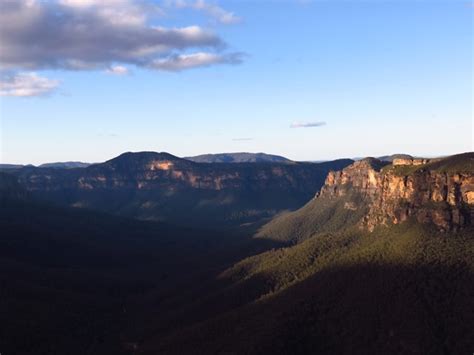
pixel 104 35
pixel 307 124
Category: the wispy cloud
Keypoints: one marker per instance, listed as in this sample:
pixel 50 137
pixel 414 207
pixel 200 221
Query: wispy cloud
pixel 26 85
pixel 307 124
pixel 216 12
pixel 194 60
pixel 119 70
pixel 242 139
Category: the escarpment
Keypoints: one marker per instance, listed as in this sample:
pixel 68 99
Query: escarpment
pixel 438 192
pixel 165 172
pixel 160 186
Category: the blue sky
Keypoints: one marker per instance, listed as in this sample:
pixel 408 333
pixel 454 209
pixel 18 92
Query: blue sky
pixel 384 76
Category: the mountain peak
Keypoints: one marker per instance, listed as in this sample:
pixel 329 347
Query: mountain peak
pixel 145 155
pixel 145 161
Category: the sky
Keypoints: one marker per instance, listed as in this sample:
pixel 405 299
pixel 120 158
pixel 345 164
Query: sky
pixel 86 80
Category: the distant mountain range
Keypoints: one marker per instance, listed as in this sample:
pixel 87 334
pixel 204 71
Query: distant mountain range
pixel 11 166
pixel 57 165
pixel 205 158
pixel 160 186
pixel 238 158
pixel 65 165
pixel 242 157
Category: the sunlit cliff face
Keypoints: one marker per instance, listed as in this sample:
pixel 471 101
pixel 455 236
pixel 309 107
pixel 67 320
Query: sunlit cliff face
pixel 441 198
pixel 470 197
pixel 408 162
pixel 160 165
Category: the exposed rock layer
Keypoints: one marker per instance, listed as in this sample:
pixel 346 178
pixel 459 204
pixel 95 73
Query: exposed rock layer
pixel 160 186
pixel 432 192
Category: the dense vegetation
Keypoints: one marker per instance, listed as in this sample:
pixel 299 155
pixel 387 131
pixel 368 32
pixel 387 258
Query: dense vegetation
pixel 69 278
pixel 399 290
pixel 77 282
pixel 460 163
pixel 321 214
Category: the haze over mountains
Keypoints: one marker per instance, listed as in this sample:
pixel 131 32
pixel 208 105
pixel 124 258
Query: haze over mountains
pixel 240 157
pixel 205 158
pixel 373 257
pixel 56 165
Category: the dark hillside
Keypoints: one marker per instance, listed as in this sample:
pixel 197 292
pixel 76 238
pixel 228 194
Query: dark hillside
pixel 396 291
pixel 70 278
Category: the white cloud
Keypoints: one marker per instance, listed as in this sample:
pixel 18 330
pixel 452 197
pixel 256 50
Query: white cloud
pixel 125 12
pixel 87 3
pixel 26 85
pixel 194 60
pixel 109 35
pixel 307 124
pixel 118 70
pixel 92 34
pixel 213 10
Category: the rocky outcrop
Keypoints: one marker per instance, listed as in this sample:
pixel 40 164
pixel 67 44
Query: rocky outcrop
pixel 411 161
pixel 429 192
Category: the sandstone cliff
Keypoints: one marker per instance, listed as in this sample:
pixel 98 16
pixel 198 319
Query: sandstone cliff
pixel 151 171
pixel 439 192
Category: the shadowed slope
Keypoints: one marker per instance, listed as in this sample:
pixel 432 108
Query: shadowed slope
pixel 401 290
pixel 70 278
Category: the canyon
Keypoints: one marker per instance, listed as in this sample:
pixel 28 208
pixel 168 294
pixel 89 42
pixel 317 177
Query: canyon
pixel 158 267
